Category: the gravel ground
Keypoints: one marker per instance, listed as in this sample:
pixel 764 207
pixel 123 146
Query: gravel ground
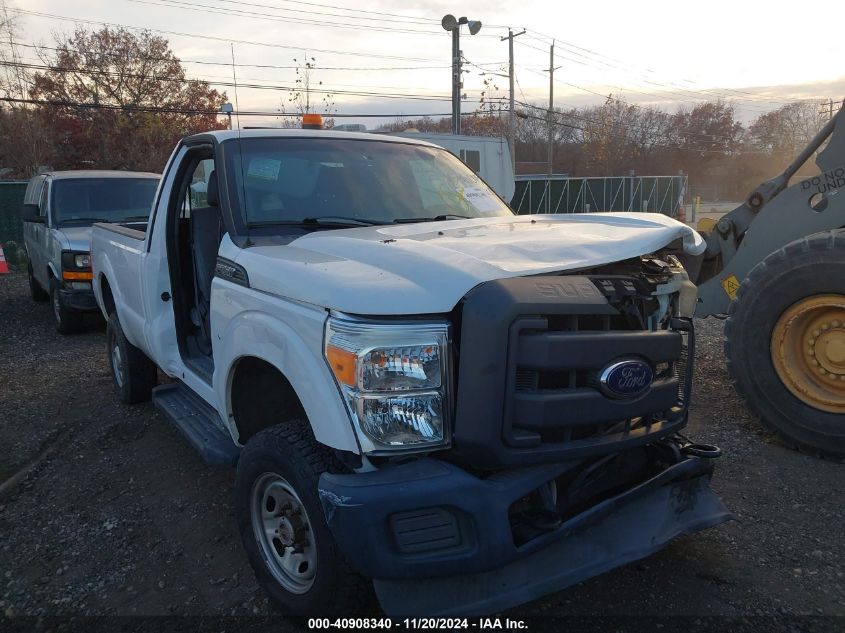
pixel 106 510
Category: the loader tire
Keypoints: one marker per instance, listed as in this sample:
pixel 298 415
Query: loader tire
pixel 785 343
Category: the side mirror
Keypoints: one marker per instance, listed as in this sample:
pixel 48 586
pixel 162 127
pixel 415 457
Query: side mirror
pixel 30 214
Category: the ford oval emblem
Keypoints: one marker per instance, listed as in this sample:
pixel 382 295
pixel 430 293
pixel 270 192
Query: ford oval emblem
pixel 626 378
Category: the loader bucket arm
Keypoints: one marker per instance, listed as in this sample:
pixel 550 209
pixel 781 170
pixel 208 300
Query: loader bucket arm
pixel 774 215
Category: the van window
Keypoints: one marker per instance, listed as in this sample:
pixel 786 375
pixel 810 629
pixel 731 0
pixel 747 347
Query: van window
pixel 42 204
pixel 84 201
pixel 472 159
pixel 33 190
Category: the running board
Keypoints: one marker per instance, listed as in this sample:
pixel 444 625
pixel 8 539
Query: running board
pixel 198 421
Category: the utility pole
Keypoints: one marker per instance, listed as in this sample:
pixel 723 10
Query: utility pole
pixel 829 109
pixel 456 80
pixel 551 107
pixel 511 113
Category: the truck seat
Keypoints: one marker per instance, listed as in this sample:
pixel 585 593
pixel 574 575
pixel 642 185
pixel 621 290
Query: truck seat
pixel 206 232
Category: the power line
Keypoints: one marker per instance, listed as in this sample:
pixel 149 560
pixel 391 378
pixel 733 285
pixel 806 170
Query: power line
pixel 380 14
pixel 205 8
pixel 620 65
pixel 664 95
pixel 277 87
pixel 197 111
pixel 259 113
pixel 228 64
pixel 217 38
pixel 299 11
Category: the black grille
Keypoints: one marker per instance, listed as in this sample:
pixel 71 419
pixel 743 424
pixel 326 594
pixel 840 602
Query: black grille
pixel 531 353
pixel 552 394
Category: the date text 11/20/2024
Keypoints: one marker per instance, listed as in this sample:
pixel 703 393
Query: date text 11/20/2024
pixel 480 624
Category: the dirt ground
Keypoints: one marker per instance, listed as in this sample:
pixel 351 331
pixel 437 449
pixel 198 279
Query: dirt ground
pixel 105 510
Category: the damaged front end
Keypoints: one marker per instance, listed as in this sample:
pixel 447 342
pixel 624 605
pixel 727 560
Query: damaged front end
pixel 439 540
pixel 566 457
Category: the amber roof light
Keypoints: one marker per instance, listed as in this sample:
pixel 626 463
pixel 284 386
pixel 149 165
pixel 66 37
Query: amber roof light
pixel 312 122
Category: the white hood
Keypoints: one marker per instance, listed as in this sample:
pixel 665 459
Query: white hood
pixel 425 268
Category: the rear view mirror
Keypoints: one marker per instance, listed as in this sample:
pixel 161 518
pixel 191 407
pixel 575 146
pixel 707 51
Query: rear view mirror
pixel 30 214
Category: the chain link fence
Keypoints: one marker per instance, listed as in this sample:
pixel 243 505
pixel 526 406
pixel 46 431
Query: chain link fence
pixel 562 194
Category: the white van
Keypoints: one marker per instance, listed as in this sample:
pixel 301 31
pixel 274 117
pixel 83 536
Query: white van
pixel 487 156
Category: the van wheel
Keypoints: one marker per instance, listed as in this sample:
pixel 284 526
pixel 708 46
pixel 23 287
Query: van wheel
pixel 66 321
pixel 35 290
pixel 282 525
pixel 134 374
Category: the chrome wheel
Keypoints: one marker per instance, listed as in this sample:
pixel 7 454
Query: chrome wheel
pixel 117 363
pixel 283 532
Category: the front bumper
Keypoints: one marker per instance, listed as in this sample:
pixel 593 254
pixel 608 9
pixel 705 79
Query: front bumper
pixel 78 300
pixel 437 540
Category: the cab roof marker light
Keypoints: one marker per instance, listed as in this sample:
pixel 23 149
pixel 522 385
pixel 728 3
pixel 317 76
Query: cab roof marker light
pixel 311 121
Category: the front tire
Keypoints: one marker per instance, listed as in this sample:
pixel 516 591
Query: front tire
pixel 282 525
pixel 66 321
pixel 134 375
pixel 35 290
pixel 785 344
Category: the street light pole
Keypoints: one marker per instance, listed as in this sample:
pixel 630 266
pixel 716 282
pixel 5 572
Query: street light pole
pixel 456 80
pixel 453 24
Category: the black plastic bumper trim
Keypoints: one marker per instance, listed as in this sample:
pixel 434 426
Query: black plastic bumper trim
pixel 633 530
pixel 78 300
pixel 359 507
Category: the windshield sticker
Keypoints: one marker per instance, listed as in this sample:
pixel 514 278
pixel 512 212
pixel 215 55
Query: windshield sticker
pixel 264 169
pixel 483 201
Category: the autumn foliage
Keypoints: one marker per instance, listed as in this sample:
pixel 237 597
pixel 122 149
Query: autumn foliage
pixel 118 100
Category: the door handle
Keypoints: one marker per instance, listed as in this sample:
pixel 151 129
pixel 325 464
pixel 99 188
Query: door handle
pixel 165 296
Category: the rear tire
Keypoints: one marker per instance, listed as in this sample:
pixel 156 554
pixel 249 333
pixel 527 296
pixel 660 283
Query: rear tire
pixel 35 290
pixel 280 467
pixel 776 365
pixel 66 321
pixel 134 375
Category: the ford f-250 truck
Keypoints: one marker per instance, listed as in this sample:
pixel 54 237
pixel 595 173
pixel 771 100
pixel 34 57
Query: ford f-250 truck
pixel 422 392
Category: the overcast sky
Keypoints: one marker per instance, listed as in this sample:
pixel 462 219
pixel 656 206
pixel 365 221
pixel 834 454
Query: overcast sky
pixel 668 53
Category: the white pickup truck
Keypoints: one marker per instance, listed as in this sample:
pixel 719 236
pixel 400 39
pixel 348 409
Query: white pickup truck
pixel 423 393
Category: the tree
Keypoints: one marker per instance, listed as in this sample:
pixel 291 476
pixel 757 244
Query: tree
pixel 787 129
pixel 120 100
pixel 301 99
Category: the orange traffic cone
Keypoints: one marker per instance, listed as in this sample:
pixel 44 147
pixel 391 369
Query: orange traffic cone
pixel 4 267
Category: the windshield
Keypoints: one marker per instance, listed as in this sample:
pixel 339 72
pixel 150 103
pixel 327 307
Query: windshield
pixel 86 200
pixel 291 180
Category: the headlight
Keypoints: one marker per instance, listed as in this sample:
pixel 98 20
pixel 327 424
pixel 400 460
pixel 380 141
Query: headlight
pixel 76 261
pixel 394 378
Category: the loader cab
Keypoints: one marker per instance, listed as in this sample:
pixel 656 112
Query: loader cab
pixel 195 228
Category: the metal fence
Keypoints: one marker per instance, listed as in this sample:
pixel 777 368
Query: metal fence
pixel 11 227
pixel 562 194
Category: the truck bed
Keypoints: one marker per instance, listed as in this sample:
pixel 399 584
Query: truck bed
pixel 134 230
